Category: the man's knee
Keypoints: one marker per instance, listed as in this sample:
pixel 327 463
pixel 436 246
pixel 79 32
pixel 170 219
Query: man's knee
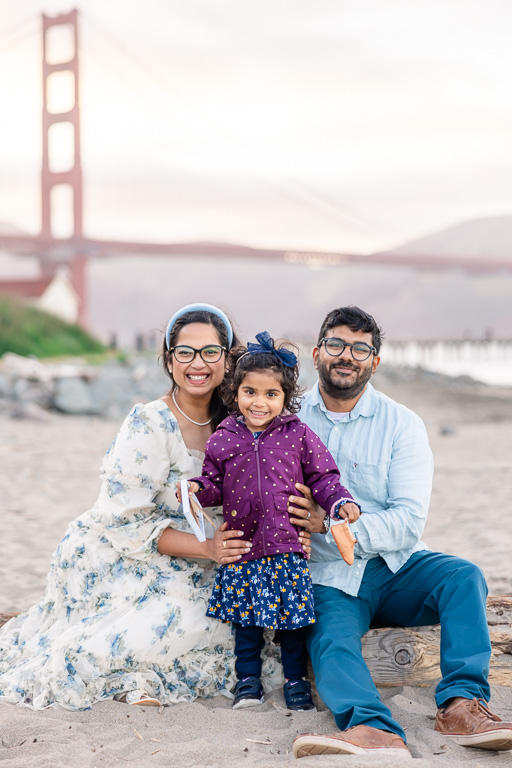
pixel 466 572
pixel 454 574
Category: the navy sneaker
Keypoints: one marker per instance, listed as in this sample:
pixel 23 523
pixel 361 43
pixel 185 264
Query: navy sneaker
pixel 248 692
pixel 297 695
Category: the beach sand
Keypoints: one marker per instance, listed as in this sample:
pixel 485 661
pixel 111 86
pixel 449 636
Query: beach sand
pixel 49 475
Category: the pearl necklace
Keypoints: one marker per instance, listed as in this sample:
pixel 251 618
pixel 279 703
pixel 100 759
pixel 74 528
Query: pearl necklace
pixel 197 423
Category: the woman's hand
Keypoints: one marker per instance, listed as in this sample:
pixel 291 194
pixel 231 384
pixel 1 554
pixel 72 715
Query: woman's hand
pixel 306 513
pixel 305 540
pixel 226 546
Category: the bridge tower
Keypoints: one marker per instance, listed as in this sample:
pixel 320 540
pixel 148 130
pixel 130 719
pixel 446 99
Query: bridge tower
pixel 71 177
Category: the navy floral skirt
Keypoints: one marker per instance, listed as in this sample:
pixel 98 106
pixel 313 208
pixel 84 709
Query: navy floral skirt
pixel 273 592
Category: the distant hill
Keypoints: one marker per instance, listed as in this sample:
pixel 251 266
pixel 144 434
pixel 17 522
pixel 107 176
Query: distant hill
pixel 478 238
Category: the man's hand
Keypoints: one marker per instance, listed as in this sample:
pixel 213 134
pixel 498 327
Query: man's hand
pixel 306 513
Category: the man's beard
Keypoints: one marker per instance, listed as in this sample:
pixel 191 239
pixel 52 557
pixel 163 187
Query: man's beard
pixel 339 388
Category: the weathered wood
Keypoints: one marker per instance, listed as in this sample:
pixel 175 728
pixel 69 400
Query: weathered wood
pixel 399 656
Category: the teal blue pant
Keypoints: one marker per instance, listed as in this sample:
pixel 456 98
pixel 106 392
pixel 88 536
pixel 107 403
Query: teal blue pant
pixel 430 588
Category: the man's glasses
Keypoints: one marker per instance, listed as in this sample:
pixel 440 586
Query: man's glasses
pixel 360 351
pixel 210 354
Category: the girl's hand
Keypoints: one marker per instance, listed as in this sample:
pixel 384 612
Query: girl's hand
pixel 226 546
pixel 192 488
pixel 349 512
pixel 306 513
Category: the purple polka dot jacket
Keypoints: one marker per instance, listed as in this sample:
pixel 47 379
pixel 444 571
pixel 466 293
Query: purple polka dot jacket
pixel 253 478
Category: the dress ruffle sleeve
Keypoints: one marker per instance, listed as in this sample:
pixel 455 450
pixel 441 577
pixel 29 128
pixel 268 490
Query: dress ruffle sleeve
pixel 147 457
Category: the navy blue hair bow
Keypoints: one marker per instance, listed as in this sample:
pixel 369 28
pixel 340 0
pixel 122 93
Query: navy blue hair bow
pixel 266 344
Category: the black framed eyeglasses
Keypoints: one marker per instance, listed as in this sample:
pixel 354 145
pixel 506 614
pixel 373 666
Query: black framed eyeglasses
pixel 212 353
pixel 360 351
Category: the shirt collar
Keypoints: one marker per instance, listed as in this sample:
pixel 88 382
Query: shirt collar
pixel 365 406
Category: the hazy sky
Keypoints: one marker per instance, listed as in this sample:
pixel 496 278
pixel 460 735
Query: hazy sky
pixel 328 124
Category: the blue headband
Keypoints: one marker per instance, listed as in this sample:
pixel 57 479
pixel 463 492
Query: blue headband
pixel 198 308
pixel 267 345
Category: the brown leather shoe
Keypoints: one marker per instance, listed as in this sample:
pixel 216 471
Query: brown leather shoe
pixel 470 723
pixel 358 740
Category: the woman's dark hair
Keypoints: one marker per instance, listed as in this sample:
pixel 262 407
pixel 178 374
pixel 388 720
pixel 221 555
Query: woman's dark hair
pixel 241 362
pixel 355 319
pixel 218 410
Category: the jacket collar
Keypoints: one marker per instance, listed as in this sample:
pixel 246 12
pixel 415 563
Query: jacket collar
pixel 232 423
pixel 365 406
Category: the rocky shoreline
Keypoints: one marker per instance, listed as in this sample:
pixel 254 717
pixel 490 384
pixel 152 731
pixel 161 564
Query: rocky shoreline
pixel 30 388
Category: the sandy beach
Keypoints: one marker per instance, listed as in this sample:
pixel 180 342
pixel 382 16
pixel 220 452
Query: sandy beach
pixel 49 475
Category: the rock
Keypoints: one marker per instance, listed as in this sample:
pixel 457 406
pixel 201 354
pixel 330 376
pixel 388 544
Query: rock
pixel 38 392
pixel 24 409
pixel 18 366
pixel 73 395
pixel 5 386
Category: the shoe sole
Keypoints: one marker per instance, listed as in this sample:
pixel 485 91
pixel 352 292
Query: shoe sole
pixel 500 739
pixel 246 703
pixel 323 745
pixel 146 703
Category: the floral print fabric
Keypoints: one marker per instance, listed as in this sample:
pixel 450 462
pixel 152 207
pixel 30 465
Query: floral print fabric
pixel 273 592
pixel 116 614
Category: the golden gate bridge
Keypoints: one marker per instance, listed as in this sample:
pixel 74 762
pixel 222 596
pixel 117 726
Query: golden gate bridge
pixel 76 250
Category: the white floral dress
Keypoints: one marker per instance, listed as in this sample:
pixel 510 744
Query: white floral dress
pixel 117 615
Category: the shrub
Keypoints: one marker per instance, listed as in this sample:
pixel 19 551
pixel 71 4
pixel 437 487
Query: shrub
pixel 26 330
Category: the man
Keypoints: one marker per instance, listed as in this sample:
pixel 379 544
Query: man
pixel 384 457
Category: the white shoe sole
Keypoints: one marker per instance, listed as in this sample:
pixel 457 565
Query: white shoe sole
pixel 323 745
pixel 500 739
pixel 246 703
pixel 139 698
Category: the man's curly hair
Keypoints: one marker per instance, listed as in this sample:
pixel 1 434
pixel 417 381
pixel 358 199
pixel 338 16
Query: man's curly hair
pixel 240 362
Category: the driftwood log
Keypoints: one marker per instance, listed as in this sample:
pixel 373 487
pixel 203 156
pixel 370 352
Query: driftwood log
pixel 397 656
pixel 411 656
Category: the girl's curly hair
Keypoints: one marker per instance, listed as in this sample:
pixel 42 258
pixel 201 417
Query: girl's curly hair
pixel 240 363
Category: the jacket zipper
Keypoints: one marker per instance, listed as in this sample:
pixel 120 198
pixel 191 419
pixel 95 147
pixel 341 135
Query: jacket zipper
pixel 260 491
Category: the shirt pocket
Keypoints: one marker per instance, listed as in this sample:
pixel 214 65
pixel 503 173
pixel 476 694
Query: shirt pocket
pixel 368 484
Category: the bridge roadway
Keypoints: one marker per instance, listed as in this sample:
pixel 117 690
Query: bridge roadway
pixel 51 250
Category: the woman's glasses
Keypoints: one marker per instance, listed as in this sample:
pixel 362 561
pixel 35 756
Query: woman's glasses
pixel 210 354
pixel 360 351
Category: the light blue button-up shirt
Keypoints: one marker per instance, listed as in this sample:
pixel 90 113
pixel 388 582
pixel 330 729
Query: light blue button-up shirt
pixel 385 461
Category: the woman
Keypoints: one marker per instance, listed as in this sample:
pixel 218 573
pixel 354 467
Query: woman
pixel 124 610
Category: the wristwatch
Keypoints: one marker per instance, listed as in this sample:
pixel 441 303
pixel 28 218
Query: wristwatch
pixel 327 525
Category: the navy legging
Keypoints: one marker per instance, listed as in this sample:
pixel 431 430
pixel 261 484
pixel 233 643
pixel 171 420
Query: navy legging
pixel 249 643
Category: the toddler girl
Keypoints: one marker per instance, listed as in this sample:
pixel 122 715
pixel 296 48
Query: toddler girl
pixel 252 462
